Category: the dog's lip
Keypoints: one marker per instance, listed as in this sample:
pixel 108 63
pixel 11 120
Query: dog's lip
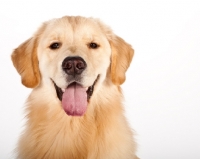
pixel 89 90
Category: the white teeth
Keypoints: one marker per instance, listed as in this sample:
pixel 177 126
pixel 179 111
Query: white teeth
pixel 63 90
pixel 86 88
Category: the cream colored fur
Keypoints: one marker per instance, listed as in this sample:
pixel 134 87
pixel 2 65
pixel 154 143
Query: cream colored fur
pixel 102 132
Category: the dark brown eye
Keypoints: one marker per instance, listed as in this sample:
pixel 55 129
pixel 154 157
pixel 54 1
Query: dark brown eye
pixel 93 45
pixel 55 45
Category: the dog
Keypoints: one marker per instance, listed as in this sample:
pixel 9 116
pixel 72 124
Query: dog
pixel 75 66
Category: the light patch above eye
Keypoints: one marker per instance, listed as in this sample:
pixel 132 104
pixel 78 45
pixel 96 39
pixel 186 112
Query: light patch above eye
pixel 55 45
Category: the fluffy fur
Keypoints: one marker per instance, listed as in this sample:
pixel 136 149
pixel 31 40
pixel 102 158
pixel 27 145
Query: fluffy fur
pixel 102 132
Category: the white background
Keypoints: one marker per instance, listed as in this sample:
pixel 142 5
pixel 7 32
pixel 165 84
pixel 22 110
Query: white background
pixel 162 89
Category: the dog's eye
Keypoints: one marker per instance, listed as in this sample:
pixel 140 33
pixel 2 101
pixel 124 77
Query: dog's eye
pixel 55 45
pixel 93 45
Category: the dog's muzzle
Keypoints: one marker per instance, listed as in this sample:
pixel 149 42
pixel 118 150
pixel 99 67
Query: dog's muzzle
pixel 75 97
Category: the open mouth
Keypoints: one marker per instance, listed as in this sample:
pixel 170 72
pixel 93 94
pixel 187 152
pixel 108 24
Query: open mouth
pixel 75 97
pixel 89 91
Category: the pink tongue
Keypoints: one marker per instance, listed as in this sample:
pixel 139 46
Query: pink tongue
pixel 74 100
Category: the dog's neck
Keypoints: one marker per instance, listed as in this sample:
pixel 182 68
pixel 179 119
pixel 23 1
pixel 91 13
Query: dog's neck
pixel 47 119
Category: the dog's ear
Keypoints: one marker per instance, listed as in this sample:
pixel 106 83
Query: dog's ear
pixel 25 60
pixel 122 54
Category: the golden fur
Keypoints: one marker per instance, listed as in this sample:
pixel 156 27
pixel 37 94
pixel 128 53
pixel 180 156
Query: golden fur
pixel 102 132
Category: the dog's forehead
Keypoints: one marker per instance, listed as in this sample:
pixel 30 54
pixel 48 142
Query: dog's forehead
pixel 84 28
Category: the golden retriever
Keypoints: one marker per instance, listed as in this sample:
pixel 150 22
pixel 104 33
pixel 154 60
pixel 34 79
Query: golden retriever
pixel 75 66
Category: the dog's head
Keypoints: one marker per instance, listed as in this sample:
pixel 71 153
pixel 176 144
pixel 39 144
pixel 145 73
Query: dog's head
pixel 76 55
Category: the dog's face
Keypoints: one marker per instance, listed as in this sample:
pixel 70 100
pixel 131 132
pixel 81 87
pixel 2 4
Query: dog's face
pixel 77 55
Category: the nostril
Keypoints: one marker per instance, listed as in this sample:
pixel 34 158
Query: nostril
pixel 80 65
pixel 68 65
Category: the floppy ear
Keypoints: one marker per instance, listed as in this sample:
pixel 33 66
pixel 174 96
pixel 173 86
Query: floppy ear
pixel 122 54
pixel 25 60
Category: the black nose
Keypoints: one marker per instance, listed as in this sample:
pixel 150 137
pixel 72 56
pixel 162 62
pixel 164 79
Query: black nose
pixel 73 65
